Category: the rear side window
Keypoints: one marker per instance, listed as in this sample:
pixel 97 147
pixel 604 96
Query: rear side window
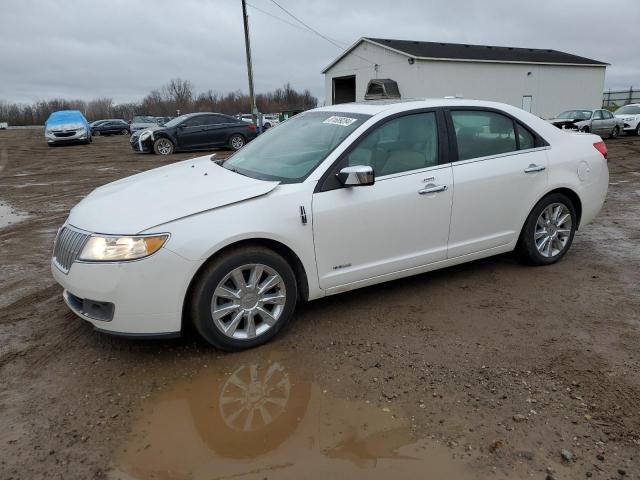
pixel 400 145
pixel 526 139
pixel 597 115
pixel 482 133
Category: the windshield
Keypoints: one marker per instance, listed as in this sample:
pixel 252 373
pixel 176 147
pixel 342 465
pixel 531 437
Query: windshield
pixel 628 110
pixel 576 114
pixel 144 119
pixel 292 151
pixel 176 121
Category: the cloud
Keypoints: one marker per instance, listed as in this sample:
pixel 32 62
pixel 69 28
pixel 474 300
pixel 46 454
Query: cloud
pixel 123 49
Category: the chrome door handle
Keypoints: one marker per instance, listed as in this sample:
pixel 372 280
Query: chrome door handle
pixel 532 168
pixel 432 189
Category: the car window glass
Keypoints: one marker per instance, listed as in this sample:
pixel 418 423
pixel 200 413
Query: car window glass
pixel 526 139
pixel 597 115
pixel 400 145
pixel 481 134
pixel 194 121
pixel 211 120
pixel 607 114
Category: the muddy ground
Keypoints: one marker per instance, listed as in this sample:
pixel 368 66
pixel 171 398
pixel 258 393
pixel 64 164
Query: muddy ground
pixel 485 370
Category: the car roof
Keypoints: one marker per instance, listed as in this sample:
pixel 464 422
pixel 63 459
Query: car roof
pixel 373 107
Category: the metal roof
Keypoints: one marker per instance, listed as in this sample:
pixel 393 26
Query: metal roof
pixel 474 53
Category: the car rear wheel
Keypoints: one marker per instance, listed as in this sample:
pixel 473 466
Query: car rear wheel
pixel 163 146
pixel 548 231
pixel 243 298
pixel 236 142
pixel 615 132
pixel 637 131
pixel 124 131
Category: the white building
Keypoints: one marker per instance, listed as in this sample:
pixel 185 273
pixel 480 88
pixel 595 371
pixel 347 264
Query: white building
pixel 544 82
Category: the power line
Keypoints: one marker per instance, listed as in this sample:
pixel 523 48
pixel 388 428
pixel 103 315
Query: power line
pixel 335 44
pixel 291 24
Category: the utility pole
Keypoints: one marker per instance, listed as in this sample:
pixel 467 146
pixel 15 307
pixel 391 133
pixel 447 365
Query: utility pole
pixel 247 46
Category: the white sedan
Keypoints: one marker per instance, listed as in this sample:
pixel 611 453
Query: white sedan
pixel 334 199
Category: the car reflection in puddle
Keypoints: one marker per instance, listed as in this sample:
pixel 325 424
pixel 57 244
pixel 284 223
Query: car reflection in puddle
pixel 262 420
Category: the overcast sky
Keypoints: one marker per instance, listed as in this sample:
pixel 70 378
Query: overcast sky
pixel 124 48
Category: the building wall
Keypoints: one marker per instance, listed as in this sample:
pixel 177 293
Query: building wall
pixel 554 88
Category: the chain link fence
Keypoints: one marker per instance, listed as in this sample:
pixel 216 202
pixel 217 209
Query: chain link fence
pixel 618 98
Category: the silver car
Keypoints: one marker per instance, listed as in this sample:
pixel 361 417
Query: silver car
pixel 599 121
pixel 140 122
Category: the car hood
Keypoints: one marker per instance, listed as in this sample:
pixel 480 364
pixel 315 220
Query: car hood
pixel 149 199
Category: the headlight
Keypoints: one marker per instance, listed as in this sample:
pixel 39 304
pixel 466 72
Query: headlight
pixel 114 248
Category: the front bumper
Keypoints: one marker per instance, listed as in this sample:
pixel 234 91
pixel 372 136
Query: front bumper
pixel 69 137
pixel 141 146
pixel 145 296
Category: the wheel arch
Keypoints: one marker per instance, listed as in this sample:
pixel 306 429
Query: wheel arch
pixel 286 252
pixel 570 193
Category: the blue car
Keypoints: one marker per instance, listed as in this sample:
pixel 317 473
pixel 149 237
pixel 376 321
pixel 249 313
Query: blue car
pixel 67 126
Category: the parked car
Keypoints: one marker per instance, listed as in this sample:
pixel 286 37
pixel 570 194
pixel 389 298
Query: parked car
pixel 111 127
pixel 140 122
pixel 67 126
pixel 600 122
pixel 4 125
pixel 334 199
pixel 630 116
pixel 270 121
pixel 194 131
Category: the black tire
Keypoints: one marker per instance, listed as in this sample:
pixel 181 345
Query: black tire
pixel 163 146
pixel 637 130
pixel 527 249
pixel 124 131
pixel 615 132
pixel 94 133
pixel 585 129
pixel 236 141
pixel 201 297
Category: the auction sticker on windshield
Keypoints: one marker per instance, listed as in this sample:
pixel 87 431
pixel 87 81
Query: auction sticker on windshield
pixel 344 121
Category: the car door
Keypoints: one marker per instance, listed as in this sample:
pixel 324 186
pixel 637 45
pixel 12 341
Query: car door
pixel 398 223
pixel 598 123
pixel 609 122
pixel 214 130
pixel 190 132
pixel 498 177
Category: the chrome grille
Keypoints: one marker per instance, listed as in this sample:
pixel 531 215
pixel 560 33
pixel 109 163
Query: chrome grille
pixel 69 244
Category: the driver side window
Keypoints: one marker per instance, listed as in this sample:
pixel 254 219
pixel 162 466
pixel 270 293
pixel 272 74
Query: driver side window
pixel 400 145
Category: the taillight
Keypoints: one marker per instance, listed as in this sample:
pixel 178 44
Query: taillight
pixel 252 127
pixel 602 148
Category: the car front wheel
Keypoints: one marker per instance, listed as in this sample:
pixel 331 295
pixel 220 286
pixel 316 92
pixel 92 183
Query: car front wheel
pixel 163 146
pixel 236 142
pixel 243 298
pixel 548 231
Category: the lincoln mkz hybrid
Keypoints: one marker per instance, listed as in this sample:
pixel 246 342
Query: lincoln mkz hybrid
pixel 334 199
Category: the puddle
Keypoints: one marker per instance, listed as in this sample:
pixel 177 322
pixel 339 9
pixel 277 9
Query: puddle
pixel 8 216
pixel 260 419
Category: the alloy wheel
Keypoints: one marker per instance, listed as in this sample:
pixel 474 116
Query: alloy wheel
pixel 164 146
pixel 553 230
pixel 237 142
pixel 248 301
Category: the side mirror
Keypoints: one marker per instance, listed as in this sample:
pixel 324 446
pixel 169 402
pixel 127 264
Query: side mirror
pixel 357 176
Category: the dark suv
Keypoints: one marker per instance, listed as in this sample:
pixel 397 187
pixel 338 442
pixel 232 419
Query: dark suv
pixel 194 131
